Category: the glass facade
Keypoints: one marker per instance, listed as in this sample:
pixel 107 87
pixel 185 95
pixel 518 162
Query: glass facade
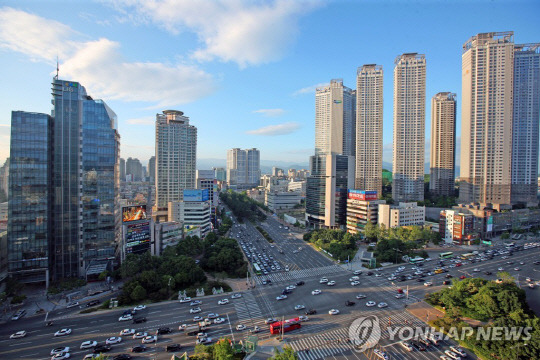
pixel 100 181
pixel 29 196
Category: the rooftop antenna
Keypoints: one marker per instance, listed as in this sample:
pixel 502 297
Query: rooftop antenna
pixel 57 68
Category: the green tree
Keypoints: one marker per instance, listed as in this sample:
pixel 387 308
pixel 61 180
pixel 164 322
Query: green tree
pixel 371 231
pixel 138 294
pixel 287 354
pixel 505 235
pixel 223 350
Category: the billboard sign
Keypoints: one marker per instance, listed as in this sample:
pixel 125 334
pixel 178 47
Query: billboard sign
pixel 363 195
pixel 196 195
pixel 133 213
pixel 137 237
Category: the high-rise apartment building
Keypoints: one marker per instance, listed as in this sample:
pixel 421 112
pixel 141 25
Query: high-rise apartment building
pixel 134 168
pixel 152 169
pixel 122 169
pixel 4 177
pixel 369 128
pixel 30 197
pixel 176 154
pixel 335 119
pixel 409 127
pixel 443 144
pixel 220 173
pixel 499 140
pixel 525 124
pixel 243 168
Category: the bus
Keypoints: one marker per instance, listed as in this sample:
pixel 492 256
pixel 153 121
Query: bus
pixel 446 255
pixel 287 325
pixel 466 256
pixel 416 260
pixel 257 269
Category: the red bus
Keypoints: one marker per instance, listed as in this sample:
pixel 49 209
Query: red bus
pixel 287 325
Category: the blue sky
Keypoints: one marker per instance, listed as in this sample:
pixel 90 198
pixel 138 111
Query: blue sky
pixel 243 71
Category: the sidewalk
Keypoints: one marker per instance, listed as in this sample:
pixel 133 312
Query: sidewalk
pixel 265 349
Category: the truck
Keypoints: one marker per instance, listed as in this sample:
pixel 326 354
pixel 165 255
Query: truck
pixel 192 330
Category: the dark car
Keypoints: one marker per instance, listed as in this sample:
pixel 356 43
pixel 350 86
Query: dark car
pixel 92 303
pixel 164 330
pixel 536 263
pixel 128 312
pixel 446 282
pixel 448 276
pixel 369 273
pixel 285 292
pixel 418 346
pixel 487 272
pixel 102 348
pixel 139 320
pixel 425 342
pixel 349 303
pixel 174 347
pixel 300 283
pixel 419 280
pixel 311 312
pixel 122 357
pixel 138 348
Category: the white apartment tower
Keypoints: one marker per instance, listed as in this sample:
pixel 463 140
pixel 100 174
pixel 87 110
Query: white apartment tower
pixel 369 128
pixel 176 154
pixel 335 119
pixel 443 144
pixel 243 168
pixel 409 127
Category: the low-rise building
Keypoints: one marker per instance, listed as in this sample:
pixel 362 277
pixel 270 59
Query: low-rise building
pixel 456 227
pixel 166 234
pixel 362 206
pixel 280 200
pixel 194 211
pixel 299 186
pixel 404 214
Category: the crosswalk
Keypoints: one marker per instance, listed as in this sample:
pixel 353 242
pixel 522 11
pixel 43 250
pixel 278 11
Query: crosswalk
pixel 293 275
pixel 248 311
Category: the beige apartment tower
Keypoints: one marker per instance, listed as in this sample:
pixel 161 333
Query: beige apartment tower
pixel 409 127
pixel 335 119
pixel 443 144
pixel 486 119
pixel 369 128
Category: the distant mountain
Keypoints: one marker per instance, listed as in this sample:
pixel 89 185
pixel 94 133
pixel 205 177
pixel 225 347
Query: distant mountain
pixel 266 165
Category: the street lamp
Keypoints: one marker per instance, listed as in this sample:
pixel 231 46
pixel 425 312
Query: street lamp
pixel 397 250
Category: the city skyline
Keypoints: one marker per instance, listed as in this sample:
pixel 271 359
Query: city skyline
pixel 233 96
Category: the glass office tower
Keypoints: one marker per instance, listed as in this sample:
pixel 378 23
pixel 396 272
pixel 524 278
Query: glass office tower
pixel 29 196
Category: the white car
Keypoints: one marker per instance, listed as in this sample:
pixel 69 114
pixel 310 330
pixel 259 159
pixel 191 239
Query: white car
pixel 392 278
pixel 270 321
pixel 59 350
pixel 290 287
pixel 62 332
pixel 371 303
pixel 18 334
pixel 125 317
pixel 223 302
pixel 236 296
pixel 184 300
pixel 219 321
pixel 476 269
pixel 213 315
pixel 88 344
pixel 281 297
pixel 380 354
pixel 299 307
pixel 90 356
pixel 127 332
pixel 500 269
pixel 72 304
pixel 61 356
pixel 323 280
pixel 240 327
pixel 333 312
pixel 354 283
pixel 379 274
pixel 400 296
pixel 406 345
pixel 361 296
pixel 428 283
pixel 140 335
pixel 139 307
pixel 182 327
pixel 113 340
pixel 195 303
pixel 149 339
pixel 316 292
pixel 382 305
pixel 197 318
pixel 354 278
pixel 357 272
pixel 458 351
pixel 303 318
pixel 452 355
pixel 195 310
pixel 205 340
pixel 286 268
pixel 331 283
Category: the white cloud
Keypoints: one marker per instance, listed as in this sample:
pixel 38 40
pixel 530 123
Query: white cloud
pixel 308 89
pixel 275 130
pixel 99 65
pixel 270 112
pixel 242 31
pixel 149 120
